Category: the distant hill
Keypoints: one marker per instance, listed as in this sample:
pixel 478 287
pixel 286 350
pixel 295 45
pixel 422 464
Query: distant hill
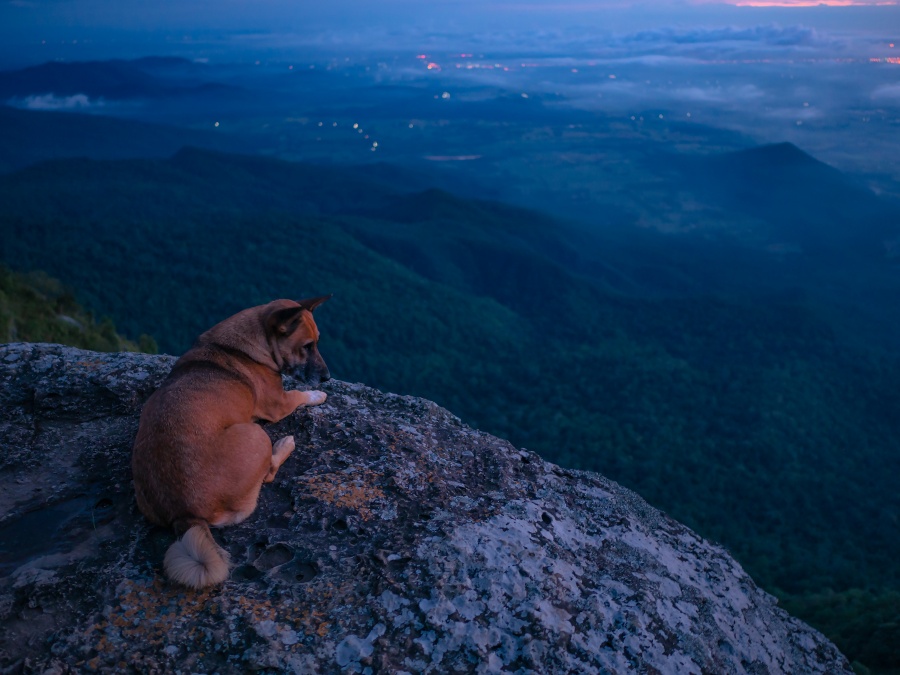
pixel 30 136
pixel 797 203
pixel 114 80
pixel 708 375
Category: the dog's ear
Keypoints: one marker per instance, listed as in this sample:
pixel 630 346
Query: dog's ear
pixel 312 303
pixel 283 322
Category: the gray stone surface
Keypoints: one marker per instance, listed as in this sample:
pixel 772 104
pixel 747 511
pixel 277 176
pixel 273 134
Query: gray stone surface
pixel 395 539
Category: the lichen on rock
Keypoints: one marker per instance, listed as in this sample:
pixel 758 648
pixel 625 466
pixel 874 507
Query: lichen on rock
pixel 395 539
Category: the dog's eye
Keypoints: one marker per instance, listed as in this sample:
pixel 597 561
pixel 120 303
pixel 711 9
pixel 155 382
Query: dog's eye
pixel 308 346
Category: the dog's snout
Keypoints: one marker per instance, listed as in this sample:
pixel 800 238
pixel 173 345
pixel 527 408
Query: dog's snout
pixel 325 377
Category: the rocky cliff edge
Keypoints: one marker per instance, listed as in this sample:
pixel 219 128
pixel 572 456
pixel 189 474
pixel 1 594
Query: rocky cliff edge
pixel 395 539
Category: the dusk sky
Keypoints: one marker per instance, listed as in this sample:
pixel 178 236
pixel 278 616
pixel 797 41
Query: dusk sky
pixel 825 77
pixel 25 23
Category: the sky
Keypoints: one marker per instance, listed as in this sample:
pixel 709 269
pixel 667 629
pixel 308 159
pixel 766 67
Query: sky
pixel 33 31
pixel 24 21
pixel 826 77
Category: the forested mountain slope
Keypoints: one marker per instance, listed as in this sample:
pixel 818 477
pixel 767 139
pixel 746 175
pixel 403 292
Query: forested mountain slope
pixel 710 377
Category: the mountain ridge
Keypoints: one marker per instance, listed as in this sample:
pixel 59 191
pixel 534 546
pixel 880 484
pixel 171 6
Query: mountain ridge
pixel 115 80
pixel 796 200
pixel 29 137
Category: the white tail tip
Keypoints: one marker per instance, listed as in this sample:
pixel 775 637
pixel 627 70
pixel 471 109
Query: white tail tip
pixel 196 560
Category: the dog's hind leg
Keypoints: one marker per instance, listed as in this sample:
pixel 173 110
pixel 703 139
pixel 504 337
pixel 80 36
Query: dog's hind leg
pixel 245 453
pixel 280 452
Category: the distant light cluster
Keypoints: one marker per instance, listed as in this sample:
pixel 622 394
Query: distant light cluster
pixel 469 64
pixel 356 126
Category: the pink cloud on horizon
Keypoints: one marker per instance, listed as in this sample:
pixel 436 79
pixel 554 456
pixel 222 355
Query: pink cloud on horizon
pixel 801 3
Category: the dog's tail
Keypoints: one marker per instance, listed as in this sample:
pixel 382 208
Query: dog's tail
pixel 196 560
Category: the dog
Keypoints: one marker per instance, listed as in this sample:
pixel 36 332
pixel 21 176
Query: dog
pixel 199 458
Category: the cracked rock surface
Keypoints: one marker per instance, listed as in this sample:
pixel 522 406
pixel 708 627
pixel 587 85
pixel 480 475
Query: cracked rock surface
pixel 395 539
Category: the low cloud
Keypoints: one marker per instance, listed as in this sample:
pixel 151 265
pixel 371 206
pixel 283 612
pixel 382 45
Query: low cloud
pixel 741 93
pixel 769 34
pixel 890 92
pixel 794 114
pixel 53 102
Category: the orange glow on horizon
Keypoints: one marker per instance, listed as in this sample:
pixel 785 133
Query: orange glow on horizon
pixel 813 3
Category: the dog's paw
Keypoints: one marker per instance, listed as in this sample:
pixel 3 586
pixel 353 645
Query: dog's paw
pixel 284 446
pixel 316 397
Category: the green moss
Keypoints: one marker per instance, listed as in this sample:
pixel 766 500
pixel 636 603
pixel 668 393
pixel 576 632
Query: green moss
pixel 35 307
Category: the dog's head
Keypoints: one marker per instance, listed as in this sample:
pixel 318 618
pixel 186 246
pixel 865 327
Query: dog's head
pixel 294 339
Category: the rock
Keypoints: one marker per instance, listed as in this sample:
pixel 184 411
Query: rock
pixel 395 539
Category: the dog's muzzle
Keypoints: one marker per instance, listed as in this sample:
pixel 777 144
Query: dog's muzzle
pixel 309 376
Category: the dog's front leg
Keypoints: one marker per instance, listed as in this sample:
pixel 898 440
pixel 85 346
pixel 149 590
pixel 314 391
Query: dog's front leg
pixel 297 399
pixel 276 409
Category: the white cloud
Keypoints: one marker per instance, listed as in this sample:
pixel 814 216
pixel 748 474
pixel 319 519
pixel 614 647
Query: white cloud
pixel 763 34
pixel 740 93
pixel 53 102
pixel 887 91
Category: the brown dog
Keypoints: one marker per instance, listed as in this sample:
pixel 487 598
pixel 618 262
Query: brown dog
pixel 199 458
